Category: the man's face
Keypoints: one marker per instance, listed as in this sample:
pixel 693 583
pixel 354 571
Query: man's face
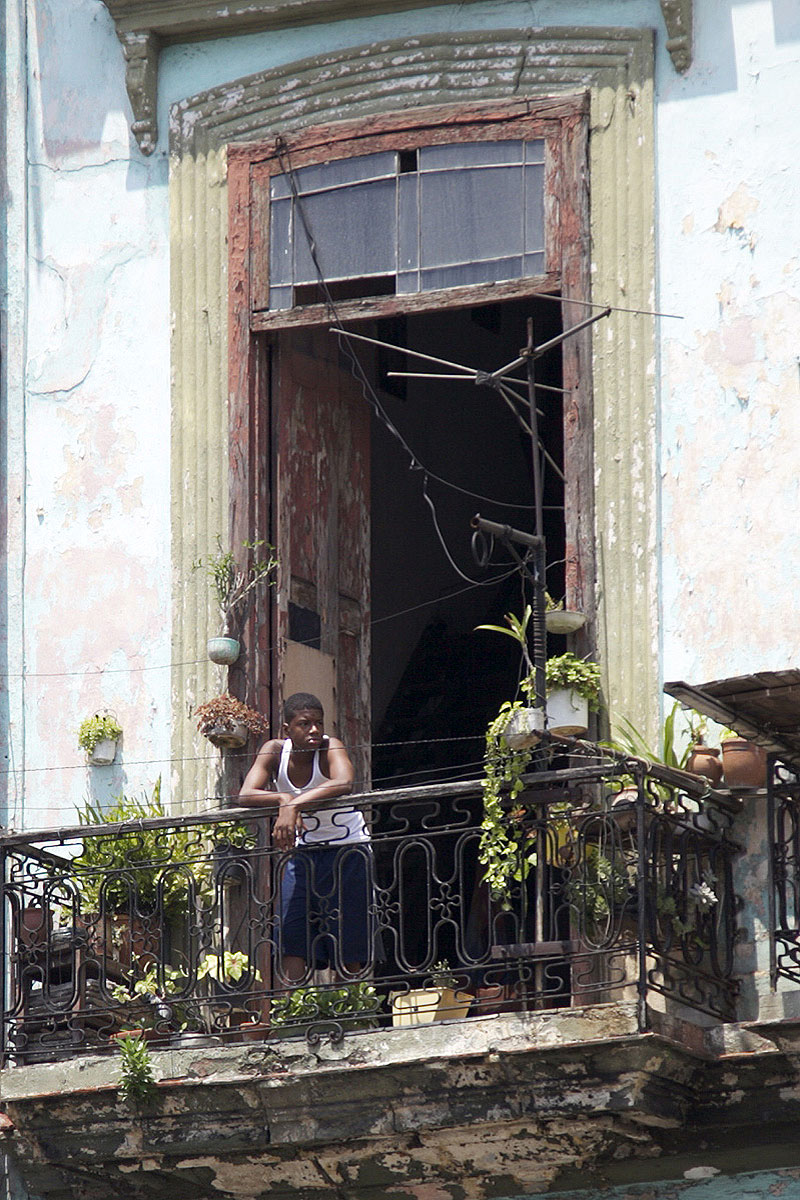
pixel 306 729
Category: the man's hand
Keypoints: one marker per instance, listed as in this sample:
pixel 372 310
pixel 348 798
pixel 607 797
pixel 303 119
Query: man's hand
pixel 287 823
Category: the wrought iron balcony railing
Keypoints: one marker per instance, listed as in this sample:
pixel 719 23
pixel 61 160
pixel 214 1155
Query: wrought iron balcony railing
pixel 175 926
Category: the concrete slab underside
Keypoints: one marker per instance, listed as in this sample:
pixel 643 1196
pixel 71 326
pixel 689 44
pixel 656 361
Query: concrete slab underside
pixel 500 1106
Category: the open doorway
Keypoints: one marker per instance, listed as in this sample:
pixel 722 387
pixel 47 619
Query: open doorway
pixel 435 681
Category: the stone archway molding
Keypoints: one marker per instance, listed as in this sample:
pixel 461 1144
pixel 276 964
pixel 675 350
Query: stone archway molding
pixel 144 27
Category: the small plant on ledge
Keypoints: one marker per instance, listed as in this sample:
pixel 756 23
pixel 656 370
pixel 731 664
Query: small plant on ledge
pixel 353 1005
pixel 137 1083
pixel 227 722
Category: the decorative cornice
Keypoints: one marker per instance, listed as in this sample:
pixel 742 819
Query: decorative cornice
pixel 678 18
pixel 144 25
pixel 141 79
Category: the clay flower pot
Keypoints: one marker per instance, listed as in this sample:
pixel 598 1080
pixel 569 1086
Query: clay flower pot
pixel 704 760
pixel 743 763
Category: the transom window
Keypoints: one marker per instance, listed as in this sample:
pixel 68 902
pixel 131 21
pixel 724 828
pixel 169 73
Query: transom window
pixel 405 221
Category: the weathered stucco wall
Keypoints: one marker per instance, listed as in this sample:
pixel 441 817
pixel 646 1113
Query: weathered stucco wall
pixel 729 175
pixel 93 591
pixel 88 577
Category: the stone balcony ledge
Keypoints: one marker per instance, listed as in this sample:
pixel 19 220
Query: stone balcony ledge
pixel 517 1102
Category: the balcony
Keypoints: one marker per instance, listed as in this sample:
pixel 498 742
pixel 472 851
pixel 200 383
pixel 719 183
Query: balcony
pixel 588 1012
pixel 172 926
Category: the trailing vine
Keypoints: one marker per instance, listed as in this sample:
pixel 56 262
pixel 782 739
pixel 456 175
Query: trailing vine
pixel 500 850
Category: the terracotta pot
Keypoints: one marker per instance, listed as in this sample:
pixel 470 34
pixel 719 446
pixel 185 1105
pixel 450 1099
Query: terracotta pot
pixel 744 763
pixel 704 760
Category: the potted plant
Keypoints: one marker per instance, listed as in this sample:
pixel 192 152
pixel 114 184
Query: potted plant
pixel 98 736
pixel 702 759
pixel 439 1000
pixel 559 619
pixel 227 722
pixel 744 764
pixel 523 724
pixel 155 998
pixel 231 586
pixel 351 1005
pixel 131 883
pixel 145 1010
pixel 573 688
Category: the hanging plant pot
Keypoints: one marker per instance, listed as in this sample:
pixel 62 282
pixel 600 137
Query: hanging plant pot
pixel 104 752
pixel 704 760
pixel 223 650
pixel 524 728
pixel 564 620
pixel 567 713
pixel 228 737
pixel 744 764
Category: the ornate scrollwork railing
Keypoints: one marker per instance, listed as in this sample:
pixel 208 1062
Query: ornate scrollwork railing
pixel 174 925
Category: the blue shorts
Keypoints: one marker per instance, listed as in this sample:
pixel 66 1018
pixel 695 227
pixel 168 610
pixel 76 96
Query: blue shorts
pixel 327 898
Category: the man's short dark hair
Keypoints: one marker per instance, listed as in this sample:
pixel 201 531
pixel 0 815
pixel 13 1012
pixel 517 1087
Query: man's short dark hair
pixel 298 702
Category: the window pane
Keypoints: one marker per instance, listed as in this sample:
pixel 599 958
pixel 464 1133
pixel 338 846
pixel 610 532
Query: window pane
pixel 469 154
pixel 280 242
pixel 345 171
pixel 408 221
pixel 280 297
pixel 470 215
pixel 534 151
pixel 354 233
pixel 534 208
pixel 494 271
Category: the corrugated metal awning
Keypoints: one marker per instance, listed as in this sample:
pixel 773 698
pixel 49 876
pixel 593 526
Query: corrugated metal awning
pixel 764 707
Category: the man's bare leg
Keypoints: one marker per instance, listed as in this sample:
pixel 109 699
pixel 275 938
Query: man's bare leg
pixel 293 968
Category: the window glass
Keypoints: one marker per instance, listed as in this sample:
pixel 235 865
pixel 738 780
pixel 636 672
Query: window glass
pixel 466 213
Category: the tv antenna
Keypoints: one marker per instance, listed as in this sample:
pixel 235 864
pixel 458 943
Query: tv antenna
pixel 504 381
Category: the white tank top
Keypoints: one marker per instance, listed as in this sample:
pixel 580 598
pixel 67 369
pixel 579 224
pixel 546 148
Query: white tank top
pixel 335 825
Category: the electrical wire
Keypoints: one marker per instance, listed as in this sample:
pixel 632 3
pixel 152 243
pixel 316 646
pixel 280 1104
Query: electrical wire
pixel 401 612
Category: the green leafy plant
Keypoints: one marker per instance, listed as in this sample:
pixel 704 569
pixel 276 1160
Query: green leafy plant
pixel 354 1005
pixel 518 630
pixel 442 975
pixel 597 885
pixel 157 994
pixel 500 850
pixel 569 671
pixel 230 583
pixel 137 1083
pixel 145 867
pixel 672 751
pixel 96 729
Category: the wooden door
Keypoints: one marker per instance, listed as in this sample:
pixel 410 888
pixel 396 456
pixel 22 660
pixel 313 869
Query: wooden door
pixel 321 526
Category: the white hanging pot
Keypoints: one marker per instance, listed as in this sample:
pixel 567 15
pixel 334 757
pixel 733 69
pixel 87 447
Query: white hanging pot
pixel 567 713
pixel 524 728
pixel 223 650
pixel 104 752
pixel 564 620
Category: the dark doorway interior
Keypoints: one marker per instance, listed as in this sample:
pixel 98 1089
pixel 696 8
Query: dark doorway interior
pixel 435 681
